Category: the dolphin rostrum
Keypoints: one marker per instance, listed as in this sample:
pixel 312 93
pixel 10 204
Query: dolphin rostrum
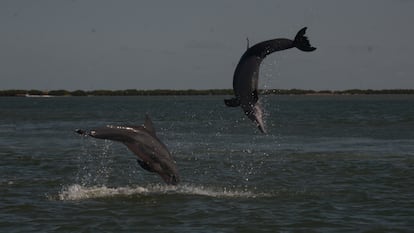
pixel 246 74
pixel 153 155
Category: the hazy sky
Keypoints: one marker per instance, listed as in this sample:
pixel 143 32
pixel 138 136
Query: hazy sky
pixel 120 44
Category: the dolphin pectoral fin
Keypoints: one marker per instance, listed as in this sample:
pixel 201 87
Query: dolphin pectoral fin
pixel 232 102
pixel 145 165
pixel 302 42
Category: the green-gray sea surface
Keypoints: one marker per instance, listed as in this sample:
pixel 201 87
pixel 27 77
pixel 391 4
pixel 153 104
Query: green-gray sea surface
pixel 328 164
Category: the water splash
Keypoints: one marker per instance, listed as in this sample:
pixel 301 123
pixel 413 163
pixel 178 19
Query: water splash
pixel 95 162
pixel 78 192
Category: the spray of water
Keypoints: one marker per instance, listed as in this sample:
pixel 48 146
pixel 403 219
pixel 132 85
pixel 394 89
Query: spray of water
pixel 95 163
pixel 97 168
pixel 78 192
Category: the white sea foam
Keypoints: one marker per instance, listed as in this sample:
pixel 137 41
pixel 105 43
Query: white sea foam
pixel 79 192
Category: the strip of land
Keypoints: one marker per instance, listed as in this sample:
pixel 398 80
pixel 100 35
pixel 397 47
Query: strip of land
pixel 162 92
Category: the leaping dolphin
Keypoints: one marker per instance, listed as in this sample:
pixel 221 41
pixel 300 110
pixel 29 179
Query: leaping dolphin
pixel 153 155
pixel 246 74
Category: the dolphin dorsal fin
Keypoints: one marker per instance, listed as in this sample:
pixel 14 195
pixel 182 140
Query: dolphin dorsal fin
pixel 148 125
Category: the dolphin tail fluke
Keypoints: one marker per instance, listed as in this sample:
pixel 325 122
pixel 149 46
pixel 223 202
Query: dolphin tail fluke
pixel 302 42
pixel 232 102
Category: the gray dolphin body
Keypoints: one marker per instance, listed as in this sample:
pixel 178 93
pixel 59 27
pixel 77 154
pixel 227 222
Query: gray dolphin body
pixel 152 153
pixel 246 74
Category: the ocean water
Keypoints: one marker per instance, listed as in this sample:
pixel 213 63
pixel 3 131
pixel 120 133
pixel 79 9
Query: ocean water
pixel 328 164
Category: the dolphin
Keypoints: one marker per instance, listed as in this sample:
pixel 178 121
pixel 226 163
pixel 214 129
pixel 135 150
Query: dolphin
pixel 246 74
pixel 153 155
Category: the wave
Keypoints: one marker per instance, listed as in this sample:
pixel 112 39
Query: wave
pixel 79 192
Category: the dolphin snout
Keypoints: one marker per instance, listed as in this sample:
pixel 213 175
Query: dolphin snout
pixel 255 113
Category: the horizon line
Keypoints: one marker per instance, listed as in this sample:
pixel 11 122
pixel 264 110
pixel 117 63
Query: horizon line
pixel 137 92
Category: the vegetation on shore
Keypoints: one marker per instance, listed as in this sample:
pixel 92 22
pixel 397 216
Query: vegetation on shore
pixel 161 92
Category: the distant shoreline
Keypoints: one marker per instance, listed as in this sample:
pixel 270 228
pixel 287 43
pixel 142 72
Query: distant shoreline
pixel 190 92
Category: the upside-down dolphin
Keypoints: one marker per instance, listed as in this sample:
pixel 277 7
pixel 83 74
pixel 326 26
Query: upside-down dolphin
pixel 246 74
pixel 153 155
